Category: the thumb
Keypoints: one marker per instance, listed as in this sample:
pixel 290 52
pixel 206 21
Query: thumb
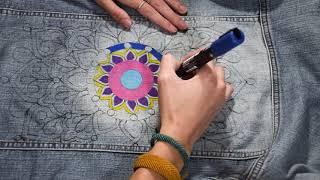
pixel 169 64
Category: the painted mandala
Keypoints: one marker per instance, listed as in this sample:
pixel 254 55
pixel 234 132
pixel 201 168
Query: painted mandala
pixel 127 79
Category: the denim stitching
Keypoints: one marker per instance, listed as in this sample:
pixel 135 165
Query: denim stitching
pixel 9 11
pixel 122 148
pixel 257 169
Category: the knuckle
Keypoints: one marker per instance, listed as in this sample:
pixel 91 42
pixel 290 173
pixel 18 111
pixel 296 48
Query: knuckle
pixel 211 73
pixel 221 85
pixel 150 13
pixel 167 56
pixel 157 3
pixel 176 20
pixel 163 78
pixel 219 69
pixel 147 9
pixel 116 14
pixel 231 89
pixel 174 3
pixel 121 13
pixel 166 23
pixel 211 76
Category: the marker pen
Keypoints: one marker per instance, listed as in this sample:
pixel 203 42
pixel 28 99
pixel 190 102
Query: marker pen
pixel 223 44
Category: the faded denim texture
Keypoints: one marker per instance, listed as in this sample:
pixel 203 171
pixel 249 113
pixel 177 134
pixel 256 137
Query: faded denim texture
pixel 53 126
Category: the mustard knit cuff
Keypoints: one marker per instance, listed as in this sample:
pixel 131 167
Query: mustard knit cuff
pixel 159 165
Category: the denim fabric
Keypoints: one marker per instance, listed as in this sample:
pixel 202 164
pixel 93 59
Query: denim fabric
pixel 294 30
pixel 53 126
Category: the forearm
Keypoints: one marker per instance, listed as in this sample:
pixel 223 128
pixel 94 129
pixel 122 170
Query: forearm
pixel 144 173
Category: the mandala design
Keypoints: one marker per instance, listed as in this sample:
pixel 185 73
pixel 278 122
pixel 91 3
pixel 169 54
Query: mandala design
pixel 127 79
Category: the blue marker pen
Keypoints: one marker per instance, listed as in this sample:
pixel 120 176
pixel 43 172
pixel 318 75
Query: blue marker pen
pixel 225 43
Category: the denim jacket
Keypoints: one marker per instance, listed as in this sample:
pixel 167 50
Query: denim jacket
pixel 54 123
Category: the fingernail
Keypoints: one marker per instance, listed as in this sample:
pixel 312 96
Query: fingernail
pixel 183 25
pixel 183 9
pixel 126 23
pixel 172 29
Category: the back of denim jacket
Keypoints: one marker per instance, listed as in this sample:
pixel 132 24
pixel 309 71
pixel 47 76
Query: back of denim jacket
pixel 56 122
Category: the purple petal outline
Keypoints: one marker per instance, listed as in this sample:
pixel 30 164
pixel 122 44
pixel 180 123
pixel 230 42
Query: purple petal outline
pixel 130 55
pixel 117 101
pixel 143 101
pixel 131 105
pixel 153 92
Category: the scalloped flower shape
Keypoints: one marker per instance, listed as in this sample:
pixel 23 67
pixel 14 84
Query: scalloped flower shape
pixel 128 80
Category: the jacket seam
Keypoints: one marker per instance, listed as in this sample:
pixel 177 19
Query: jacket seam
pixel 63 15
pixel 265 26
pixel 122 148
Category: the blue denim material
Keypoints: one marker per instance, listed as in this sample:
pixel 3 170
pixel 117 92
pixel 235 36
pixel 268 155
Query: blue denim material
pixel 52 125
pixel 294 31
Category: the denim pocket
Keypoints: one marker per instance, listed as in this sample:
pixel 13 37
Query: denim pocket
pixel 49 99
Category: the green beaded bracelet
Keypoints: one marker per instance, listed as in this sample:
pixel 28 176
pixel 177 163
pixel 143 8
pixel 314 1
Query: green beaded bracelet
pixel 179 147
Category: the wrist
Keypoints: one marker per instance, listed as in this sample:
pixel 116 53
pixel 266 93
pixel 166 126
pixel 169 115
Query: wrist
pixel 166 151
pixel 180 137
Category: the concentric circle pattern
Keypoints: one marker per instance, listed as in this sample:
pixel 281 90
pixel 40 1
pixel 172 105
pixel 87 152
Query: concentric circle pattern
pixel 127 79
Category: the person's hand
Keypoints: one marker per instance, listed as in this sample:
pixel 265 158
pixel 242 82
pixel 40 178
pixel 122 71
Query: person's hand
pixel 188 106
pixel 164 13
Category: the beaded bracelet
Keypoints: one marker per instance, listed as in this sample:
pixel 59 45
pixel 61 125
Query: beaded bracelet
pixel 159 165
pixel 179 147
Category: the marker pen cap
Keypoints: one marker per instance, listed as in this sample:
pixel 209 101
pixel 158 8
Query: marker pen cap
pixel 226 42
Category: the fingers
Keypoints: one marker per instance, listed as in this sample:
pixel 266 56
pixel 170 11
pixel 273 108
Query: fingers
pixel 220 73
pixel 229 91
pixel 178 6
pixel 221 82
pixel 163 8
pixel 150 13
pixel 169 65
pixel 153 15
pixel 207 71
pixel 118 14
pixel 216 73
pixel 183 58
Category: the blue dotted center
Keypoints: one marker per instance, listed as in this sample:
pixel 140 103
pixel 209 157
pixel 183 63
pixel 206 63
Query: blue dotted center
pixel 131 79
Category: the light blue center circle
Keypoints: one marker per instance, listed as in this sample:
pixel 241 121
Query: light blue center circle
pixel 131 79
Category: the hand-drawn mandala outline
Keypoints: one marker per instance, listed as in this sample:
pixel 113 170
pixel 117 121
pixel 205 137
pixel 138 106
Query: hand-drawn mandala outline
pixel 127 79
